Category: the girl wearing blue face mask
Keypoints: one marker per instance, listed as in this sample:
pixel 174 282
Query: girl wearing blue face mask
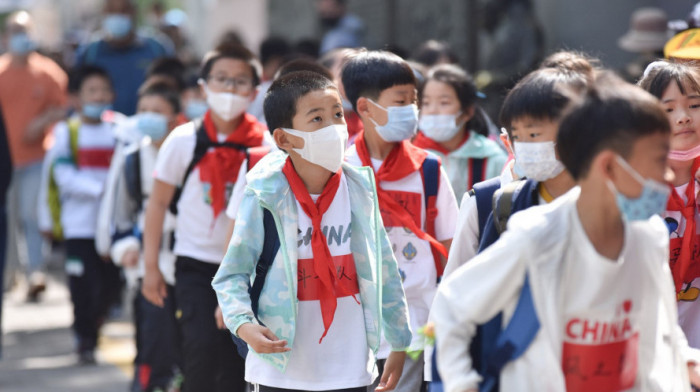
pixel 128 191
pixel 453 126
pixel 678 88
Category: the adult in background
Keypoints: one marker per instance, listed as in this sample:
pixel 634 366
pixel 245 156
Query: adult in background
pixel 341 29
pixel 123 52
pixel 5 167
pixel 646 37
pixel 32 96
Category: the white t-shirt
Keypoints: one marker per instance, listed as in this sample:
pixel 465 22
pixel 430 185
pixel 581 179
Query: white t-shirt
pixel 342 360
pixel 688 304
pixel 197 235
pixel 414 256
pixel 610 311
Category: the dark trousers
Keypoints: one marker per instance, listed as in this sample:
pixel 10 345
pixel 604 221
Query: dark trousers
pixel 211 362
pixel 263 388
pixel 91 282
pixel 157 342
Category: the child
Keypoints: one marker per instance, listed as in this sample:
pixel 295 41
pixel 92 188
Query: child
pixel 82 152
pixel 531 113
pixel 453 126
pixel 203 158
pixel 677 86
pixel 596 265
pixel 315 332
pixel 156 336
pixel 382 88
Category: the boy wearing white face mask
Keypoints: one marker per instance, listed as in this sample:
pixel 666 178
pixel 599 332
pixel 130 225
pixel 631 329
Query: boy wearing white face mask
pixel 595 264
pixel 419 218
pixel 128 191
pixel 203 158
pixel 453 126
pixel 530 114
pixel 315 324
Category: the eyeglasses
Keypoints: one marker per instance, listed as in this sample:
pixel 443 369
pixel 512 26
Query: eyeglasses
pixel 221 82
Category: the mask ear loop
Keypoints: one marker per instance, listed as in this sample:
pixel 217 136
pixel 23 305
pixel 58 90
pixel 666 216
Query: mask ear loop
pixel 630 170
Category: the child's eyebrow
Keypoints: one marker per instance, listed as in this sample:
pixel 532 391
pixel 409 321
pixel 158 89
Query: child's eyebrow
pixel 693 96
pixel 668 100
pixel 314 110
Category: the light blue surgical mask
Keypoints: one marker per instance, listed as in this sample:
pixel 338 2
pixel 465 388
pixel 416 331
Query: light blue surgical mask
pixel 21 44
pixel 117 25
pixel 153 125
pixel 652 201
pixel 196 108
pixel 402 122
pixel 95 110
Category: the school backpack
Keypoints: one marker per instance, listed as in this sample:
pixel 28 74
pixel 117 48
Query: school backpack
pixel 53 193
pixel 271 244
pixel 202 145
pixel 430 174
pixel 493 345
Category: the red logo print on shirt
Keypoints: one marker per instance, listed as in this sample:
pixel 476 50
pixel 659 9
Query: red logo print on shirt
pixel 601 355
pixel 308 282
pixel 410 201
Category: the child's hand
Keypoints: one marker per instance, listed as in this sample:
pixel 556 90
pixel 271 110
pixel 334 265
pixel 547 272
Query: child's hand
pixel 392 371
pixel 261 339
pixel 153 287
pixel 694 373
pixel 130 258
pixel 219 316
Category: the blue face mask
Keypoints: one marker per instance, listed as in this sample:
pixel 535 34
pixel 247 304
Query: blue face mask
pixel 153 125
pixel 652 201
pixel 117 25
pixel 196 108
pixel 95 110
pixel 21 44
pixel 402 122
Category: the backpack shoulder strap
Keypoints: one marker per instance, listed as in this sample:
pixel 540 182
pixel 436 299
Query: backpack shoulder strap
pixel 201 146
pixel 255 154
pixel 483 191
pixel 477 166
pixel 430 173
pixel 132 174
pixel 73 130
pixel 271 245
pixel 516 337
pixel 503 204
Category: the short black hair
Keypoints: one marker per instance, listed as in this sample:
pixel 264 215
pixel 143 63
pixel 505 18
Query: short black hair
pixel 280 104
pixel 164 90
pixel 661 73
pixel 465 89
pixel 612 115
pixel 274 47
pixel 541 94
pixel 79 75
pixel 170 67
pixel 431 51
pixel 303 64
pixel 571 60
pixel 369 73
pixel 231 51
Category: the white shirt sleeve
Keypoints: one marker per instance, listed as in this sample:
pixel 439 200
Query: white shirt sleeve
pixel 237 192
pixel 466 240
pixel 446 220
pixel 175 155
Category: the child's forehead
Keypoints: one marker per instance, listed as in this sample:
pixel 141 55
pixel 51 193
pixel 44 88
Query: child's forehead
pixel 95 79
pixel 318 97
pixel 399 89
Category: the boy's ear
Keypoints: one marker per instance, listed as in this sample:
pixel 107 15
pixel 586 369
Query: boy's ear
pixel 282 139
pixel 362 106
pixel 604 165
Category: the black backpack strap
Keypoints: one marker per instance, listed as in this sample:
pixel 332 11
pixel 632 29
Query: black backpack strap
pixel 271 245
pixel 483 191
pixel 477 170
pixel 132 175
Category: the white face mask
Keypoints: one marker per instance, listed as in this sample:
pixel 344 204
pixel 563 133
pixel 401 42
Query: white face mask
pixel 325 147
pixel 537 161
pixel 226 105
pixel 440 127
pixel 402 122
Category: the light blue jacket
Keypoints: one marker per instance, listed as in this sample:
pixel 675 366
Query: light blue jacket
pixel 377 271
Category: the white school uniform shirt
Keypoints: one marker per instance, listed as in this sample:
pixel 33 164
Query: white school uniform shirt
pixel 591 310
pixel 342 360
pixel 688 304
pixel 81 185
pixel 414 256
pixel 197 234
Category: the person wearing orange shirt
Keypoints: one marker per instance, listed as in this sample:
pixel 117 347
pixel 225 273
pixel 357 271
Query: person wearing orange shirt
pixel 32 96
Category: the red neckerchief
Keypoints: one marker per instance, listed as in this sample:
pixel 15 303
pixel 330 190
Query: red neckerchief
pixel 686 268
pixel 323 260
pixel 427 143
pixel 403 160
pixel 354 123
pixel 221 165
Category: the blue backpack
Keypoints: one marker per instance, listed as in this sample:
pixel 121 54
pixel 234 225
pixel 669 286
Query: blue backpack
pixel 494 346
